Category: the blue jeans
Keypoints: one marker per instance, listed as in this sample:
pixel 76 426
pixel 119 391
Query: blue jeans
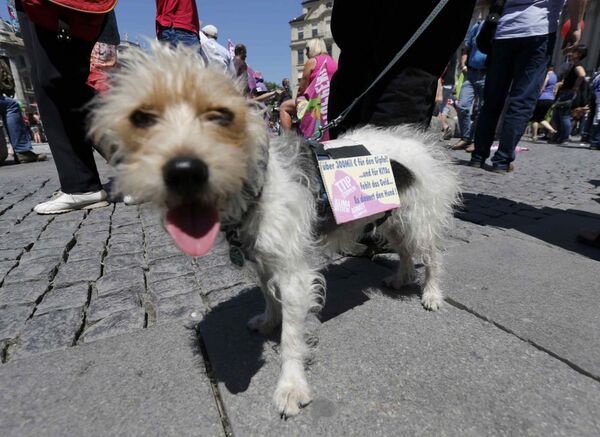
pixel 595 135
pixel 561 118
pixel 15 127
pixel 178 36
pixel 471 89
pixel 517 67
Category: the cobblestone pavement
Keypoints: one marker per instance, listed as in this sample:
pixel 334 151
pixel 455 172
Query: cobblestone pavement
pixel 76 278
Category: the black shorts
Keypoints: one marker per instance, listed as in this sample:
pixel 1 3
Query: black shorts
pixel 541 109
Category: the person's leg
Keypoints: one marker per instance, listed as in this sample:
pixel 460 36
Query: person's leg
pixel 530 62
pixel 548 127
pixel 497 84
pixel 534 130
pixel 595 136
pixel 15 128
pixel 464 104
pixel 286 110
pixel 59 73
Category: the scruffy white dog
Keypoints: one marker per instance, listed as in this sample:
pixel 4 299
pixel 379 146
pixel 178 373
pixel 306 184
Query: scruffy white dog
pixel 192 144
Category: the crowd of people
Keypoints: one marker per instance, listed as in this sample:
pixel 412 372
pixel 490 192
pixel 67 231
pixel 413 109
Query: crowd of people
pixel 497 96
pixel 497 92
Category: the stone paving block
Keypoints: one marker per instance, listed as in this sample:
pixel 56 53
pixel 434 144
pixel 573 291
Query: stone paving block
pixel 150 383
pixel 120 280
pixel 52 243
pixel 136 240
pixel 540 293
pixel 10 254
pixel 39 252
pixel 127 228
pixel 103 306
pixel 92 237
pixel 42 269
pixel 178 307
pixel 115 248
pixel 115 324
pixel 81 251
pixel 169 268
pixel 233 295
pixel 120 262
pixel 223 277
pixel 5 267
pixel 73 296
pixel 77 271
pixel 212 260
pixel 174 286
pixel 390 368
pixel 165 250
pixel 49 331
pixel 12 319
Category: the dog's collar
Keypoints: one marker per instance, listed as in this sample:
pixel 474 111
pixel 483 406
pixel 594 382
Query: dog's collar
pixel 252 193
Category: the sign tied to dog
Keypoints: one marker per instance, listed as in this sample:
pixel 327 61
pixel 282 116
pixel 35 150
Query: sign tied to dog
pixel 359 186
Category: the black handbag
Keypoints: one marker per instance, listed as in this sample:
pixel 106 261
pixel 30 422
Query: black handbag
pixel 489 26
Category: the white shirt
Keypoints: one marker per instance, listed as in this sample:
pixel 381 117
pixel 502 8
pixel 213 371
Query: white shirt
pixel 522 18
pixel 218 56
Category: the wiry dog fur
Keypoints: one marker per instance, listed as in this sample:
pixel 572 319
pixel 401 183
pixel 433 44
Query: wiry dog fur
pixel 164 105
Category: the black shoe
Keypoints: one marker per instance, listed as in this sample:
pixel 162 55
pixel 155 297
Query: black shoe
pixel 501 170
pixel 476 163
pixel 29 156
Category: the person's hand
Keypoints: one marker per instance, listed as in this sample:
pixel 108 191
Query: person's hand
pixel 572 39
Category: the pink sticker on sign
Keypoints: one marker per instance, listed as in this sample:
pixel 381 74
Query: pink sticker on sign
pixel 359 187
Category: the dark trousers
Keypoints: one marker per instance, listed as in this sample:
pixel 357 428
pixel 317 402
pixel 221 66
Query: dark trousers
pixel 59 72
pixel 516 69
pixel 407 93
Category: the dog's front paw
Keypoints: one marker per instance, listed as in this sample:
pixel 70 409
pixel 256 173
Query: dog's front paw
pixel 262 323
pixel 291 395
pixel 432 300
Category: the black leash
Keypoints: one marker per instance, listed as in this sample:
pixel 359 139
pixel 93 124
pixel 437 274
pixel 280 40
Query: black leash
pixel 338 120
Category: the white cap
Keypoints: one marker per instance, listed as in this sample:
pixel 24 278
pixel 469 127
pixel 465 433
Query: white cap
pixel 210 30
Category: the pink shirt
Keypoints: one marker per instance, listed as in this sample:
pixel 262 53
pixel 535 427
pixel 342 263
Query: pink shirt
pixel 331 66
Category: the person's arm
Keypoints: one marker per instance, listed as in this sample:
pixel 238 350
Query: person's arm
pixel 580 72
pixel 576 10
pixel 545 82
pixel 439 95
pixel 265 96
pixel 309 66
pixel 463 61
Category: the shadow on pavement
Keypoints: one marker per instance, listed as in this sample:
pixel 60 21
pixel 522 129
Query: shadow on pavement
pixel 236 354
pixel 554 226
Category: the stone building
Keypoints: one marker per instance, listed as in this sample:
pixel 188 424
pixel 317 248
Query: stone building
pixel 13 50
pixel 314 22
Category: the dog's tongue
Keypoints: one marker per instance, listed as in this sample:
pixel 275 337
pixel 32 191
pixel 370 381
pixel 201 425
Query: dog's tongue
pixel 193 228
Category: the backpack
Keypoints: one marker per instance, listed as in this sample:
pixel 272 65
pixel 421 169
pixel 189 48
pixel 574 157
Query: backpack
pixel 7 82
pixel 82 19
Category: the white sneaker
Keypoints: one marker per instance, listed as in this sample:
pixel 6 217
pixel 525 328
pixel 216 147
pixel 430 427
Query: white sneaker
pixel 63 202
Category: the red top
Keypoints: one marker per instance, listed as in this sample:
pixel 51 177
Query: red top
pixel 180 14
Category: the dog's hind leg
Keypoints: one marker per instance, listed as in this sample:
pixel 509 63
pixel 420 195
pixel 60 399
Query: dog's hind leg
pixel 299 292
pixel 396 232
pixel 405 274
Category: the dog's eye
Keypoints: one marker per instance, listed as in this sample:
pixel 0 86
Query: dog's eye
pixel 221 116
pixel 143 119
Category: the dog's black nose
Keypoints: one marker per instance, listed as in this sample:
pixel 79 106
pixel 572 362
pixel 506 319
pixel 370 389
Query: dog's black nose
pixel 185 174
